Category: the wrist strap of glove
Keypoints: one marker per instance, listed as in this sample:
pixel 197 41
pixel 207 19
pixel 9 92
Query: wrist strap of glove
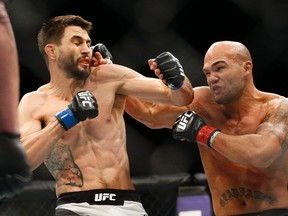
pixel 66 118
pixel 173 87
pixel 109 61
pixel 206 135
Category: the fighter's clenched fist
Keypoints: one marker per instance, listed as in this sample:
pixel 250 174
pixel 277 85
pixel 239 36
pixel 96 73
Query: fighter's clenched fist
pixel 190 127
pixel 171 69
pixel 83 106
pixel 102 49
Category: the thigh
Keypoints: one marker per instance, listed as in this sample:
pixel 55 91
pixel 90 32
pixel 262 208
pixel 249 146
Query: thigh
pixel 65 212
pixel 131 208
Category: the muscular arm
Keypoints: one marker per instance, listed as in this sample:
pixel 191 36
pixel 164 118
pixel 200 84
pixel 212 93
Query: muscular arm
pixel 37 141
pixel 153 115
pixel 132 83
pixel 262 148
pixel 153 90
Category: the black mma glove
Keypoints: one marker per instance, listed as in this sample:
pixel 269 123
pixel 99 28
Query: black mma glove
pixel 15 171
pixel 99 47
pixel 171 69
pixel 83 106
pixel 190 127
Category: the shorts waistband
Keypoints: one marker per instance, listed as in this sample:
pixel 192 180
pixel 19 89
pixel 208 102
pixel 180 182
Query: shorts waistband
pixel 99 197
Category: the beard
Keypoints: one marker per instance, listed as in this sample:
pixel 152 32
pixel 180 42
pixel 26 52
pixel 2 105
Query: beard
pixel 69 65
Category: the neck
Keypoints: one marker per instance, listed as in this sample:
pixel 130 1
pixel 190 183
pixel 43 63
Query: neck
pixel 248 101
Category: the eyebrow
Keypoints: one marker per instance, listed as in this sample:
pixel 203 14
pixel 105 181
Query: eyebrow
pixel 214 64
pixel 77 37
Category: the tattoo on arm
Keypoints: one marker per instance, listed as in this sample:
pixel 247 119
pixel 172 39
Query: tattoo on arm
pixel 60 163
pixel 276 124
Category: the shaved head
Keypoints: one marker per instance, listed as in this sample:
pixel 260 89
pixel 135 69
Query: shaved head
pixel 230 48
pixel 228 70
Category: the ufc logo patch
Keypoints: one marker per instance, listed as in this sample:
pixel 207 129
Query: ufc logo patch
pixel 183 120
pixel 86 98
pixel 105 196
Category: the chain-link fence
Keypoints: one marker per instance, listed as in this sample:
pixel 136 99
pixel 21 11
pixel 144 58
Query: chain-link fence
pixel 158 193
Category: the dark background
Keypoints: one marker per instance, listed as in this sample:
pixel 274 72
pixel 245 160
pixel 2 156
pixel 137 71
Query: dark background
pixel 136 30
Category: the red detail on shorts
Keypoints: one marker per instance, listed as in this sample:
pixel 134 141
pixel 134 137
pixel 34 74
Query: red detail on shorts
pixel 204 134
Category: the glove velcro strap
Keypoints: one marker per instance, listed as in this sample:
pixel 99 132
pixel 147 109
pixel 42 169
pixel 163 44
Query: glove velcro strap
pixel 206 135
pixel 173 87
pixel 66 118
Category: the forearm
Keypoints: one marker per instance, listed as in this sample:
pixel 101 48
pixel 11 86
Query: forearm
pixel 258 150
pixel 39 144
pixel 145 112
pixel 252 149
pixel 153 115
pixel 184 95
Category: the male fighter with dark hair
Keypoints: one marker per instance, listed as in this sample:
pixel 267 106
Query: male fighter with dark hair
pixel 75 125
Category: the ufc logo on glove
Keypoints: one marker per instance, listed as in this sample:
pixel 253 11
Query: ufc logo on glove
pixel 86 98
pixel 83 106
pixel 191 127
pixel 183 121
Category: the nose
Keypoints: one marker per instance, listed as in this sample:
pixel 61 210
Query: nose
pixel 86 49
pixel 212 79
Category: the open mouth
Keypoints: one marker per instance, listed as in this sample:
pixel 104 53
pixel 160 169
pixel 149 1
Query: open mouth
pixel 216 89
pixel 85 62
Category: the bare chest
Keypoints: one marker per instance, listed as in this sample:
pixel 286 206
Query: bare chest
pixel 239 125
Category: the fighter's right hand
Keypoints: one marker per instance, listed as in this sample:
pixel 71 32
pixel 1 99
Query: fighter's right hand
pixel 171 69
pixel 15 171
pixel 190 127
pixel 83 106
pixel 102 49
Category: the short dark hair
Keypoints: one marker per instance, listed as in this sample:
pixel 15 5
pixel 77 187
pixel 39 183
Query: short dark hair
pixel 52 31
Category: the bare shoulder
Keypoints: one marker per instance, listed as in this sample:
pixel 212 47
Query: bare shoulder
pixel 202 92
pixel 113 72
pixel 33 96
pixel 277 106
pixel 31 101
pixel 203 99
pixel 276 119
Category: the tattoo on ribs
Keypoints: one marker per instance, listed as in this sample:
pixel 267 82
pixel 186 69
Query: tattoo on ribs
pixel 61 164
pixel 246 193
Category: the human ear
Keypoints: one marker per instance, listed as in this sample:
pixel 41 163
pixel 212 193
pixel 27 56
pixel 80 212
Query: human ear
pixel 50 51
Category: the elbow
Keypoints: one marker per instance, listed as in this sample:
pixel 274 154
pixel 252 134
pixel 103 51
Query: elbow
pixel 184 101
pixel 154 125
pixel 262 161
pixel 151 122
pixel 261 164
